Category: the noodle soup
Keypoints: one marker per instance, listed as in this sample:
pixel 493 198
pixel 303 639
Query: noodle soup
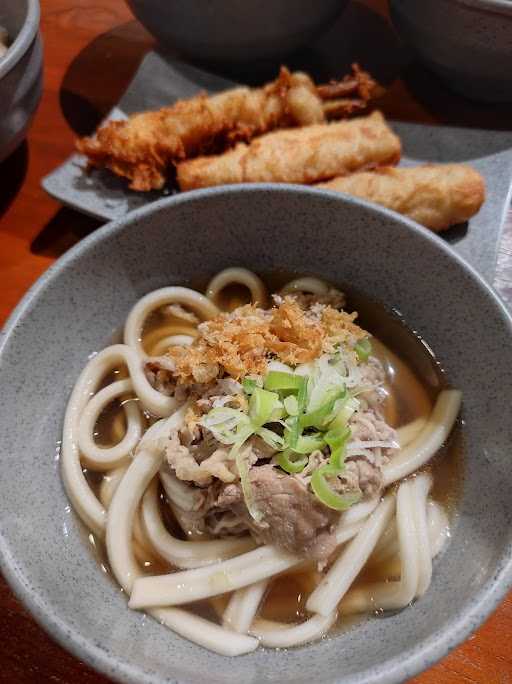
pixel 260 475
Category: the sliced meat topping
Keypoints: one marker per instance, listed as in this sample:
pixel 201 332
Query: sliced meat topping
pixel 359 475
pixel 198 464
pixel 292 518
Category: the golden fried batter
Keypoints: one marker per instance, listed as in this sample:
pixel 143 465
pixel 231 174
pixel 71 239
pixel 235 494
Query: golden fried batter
pixel 241 342
pixel 144 148
pixel 436 195
pixel 300 155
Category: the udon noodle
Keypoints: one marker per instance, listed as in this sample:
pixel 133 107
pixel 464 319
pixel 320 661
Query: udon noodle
pixel 243 446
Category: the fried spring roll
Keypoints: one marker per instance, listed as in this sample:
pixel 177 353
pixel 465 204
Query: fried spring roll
pixel 436 195
pixel 302 155
pixel 144 147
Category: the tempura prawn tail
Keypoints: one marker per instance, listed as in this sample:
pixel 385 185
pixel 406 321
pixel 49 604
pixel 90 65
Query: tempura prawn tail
pixel 303 155
pixel 435 195
pixel 145 147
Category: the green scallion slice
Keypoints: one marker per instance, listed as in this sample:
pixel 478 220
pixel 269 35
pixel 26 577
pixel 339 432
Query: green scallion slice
pixel 363 349
pixel 290 462
pixel 320 417
pixel 279 381
pixel 324 492
pixel 264 407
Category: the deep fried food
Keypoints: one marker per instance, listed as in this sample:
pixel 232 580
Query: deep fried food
pixel 301 155
pixel 436 195
pixel 240 342
pixel 144 147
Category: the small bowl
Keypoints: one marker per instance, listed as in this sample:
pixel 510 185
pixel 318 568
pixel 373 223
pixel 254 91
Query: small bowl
pixel 74 309
pixel 468 43
pixel 233 31
pixel 21 72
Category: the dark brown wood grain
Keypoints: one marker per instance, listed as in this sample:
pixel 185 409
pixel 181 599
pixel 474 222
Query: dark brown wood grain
pixel 92 48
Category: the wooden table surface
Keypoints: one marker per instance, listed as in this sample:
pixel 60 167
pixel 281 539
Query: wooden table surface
pixel 92 49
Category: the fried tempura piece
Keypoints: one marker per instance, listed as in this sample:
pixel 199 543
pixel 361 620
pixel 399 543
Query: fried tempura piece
pixel 436 195
pixel 144 147
pixel 301 155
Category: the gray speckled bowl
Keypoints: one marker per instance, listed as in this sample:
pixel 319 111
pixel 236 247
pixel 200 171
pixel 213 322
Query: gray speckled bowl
pixel 21 72
pixel 74 309
pixel 235 30
pixel 468 43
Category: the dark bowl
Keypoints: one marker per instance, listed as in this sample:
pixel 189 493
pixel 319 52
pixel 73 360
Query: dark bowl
pixel 21 72
pixel 468 43
pixel 235 30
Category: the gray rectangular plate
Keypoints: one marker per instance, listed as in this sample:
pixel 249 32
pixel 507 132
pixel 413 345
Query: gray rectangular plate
pixel 160 81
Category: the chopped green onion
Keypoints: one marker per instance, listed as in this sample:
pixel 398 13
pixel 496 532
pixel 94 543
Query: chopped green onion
pixel 271 438
pixel 224 414
pixel 291 405
pixel 323 491
pixel 264 407
pixel 345 413
pixel 336 439
pixel 243 470
pixel 249 385
pixel 277 381
pixel 306 444
pixel 284 399
pixel 321 416
pixel 290 462
pixel 363 349
pixel 302 396
pixel 292 431
pixel 224 422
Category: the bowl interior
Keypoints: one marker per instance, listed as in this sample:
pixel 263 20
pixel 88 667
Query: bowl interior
pixel 12 16
pixel 468 43
pixel 74 311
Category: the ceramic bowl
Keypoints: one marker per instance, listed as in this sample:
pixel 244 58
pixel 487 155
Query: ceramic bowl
pixel 21 72
pixel 234 31
pixel 468 43
pixel 74 309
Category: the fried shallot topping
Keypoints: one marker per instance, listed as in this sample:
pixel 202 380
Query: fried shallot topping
pixel 241 342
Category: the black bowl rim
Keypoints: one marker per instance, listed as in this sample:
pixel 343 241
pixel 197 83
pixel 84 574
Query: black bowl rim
pixel 489 6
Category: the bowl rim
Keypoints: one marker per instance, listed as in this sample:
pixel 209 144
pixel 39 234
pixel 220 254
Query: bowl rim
pixel 494 6
pixel 23 40
pixel 491 6
pixel 406 664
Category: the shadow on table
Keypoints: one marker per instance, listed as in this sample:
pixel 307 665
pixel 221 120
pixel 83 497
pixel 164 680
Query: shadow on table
pixel 12 172
pixel 63 231
pixel 455 233
pixel 97 77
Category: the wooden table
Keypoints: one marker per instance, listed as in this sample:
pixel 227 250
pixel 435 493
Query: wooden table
pixel 92 49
